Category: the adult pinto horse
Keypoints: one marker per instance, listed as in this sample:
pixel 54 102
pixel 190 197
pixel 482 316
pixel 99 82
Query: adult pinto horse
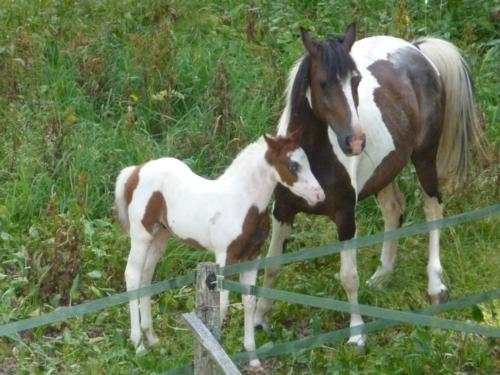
pixel 398 101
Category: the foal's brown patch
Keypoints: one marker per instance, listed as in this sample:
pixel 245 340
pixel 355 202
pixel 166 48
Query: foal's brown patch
pixel 255 230
pixel 155 213
pixel 131 184
pixel 277 156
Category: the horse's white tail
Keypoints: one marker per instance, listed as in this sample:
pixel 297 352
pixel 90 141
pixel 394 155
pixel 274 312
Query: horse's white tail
pixel 461 125
pixel 121 205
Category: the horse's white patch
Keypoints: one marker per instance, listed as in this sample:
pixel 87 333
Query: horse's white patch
pixel 379 142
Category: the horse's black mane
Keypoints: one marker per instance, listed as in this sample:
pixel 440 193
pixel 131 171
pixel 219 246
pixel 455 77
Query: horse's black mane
pixel 335 58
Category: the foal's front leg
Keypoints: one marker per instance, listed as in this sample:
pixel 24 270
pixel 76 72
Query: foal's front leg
pixel 346 228
pixel 280 232
pixel 249 278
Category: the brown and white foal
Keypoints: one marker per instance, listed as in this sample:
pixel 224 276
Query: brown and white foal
pixel 227 216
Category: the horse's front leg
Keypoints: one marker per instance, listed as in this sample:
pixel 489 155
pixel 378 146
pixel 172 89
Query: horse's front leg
pixel 346 228
pixel 281 230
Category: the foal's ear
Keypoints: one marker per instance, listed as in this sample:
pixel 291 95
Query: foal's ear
pixel 311 46
pixel 272 143
pixel 350 36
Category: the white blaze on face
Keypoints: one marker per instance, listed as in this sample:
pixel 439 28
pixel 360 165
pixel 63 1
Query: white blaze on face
pixel 306 186
pixel 347 89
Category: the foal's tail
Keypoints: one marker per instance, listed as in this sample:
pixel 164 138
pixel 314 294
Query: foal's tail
pixel 121 204
pixel 461 126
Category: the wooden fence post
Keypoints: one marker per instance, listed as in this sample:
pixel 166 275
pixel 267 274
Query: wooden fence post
pixel 208 310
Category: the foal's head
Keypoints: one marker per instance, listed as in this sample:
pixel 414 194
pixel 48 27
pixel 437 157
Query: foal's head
pixel 334 87
pixel 292 167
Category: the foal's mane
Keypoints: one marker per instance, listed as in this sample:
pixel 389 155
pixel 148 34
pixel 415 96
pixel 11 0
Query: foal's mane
pixel 242 158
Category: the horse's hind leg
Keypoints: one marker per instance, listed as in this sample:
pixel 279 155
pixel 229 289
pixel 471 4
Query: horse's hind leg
pixel 154 254
pixel 281 230
pixel 425 166
pixel 392 205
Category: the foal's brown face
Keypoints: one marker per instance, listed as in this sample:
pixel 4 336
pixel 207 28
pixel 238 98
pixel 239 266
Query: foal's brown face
pixel 334 81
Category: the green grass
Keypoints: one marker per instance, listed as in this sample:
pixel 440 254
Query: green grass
pixel 89 87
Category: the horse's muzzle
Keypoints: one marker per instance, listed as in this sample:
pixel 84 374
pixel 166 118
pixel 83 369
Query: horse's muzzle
pixel 356 144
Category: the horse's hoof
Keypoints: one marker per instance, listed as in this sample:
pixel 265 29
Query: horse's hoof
pixel 440 298
pixel 153 340
pixel 378 280
pixel 254 368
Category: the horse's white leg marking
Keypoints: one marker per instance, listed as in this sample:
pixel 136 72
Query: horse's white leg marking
pixel 392 205
pixel 280 232
pixel 133 275
pixel 220 259
pixel 249 278
pixel 436 289
pixel 154 254
pixel 350 281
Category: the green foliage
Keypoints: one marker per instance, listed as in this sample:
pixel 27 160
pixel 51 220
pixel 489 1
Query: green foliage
pixel 89 87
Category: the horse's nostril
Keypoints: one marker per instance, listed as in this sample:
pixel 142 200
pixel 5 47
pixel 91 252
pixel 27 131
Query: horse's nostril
pixel 348 140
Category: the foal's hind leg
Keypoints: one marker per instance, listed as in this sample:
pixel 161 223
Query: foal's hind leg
pixel 425 165
pixel 155 251
pixel 140 242
pixel 280 232
pixel 392 205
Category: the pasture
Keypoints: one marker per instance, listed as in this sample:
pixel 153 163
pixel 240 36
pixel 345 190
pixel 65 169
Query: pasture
pixel 89 87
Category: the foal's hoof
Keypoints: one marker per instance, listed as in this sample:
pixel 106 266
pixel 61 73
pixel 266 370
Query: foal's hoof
pixel 140 349
pixel 440 298
pixel 360 342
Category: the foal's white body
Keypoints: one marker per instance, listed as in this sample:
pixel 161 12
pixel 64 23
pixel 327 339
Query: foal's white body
pixel 209 212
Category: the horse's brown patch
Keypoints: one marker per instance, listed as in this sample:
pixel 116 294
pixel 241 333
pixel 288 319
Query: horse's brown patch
pixel 254 232
pixel 131 184
pixel 155 213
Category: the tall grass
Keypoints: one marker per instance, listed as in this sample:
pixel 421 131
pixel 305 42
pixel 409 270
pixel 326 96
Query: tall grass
pixel 91 86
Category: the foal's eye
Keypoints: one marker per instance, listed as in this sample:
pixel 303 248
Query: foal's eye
pixel 293 167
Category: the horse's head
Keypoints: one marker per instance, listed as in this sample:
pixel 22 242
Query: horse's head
pixel 292 167
pixel 334 81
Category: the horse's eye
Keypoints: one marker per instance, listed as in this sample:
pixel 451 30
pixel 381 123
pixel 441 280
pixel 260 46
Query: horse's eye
pixel 293 167
pixel 323 84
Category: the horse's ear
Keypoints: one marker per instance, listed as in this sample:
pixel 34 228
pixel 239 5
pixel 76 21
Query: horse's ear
pixel 350 36
pixel 272 143
pixel 296 136
pixel 311 46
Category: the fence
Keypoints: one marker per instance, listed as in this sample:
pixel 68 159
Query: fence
pixel 388 317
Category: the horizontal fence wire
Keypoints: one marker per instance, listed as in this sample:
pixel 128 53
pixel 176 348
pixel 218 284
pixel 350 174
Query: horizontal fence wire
pixel 312 342
pixel 65 313
pixel 315 252
pixel 372 311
